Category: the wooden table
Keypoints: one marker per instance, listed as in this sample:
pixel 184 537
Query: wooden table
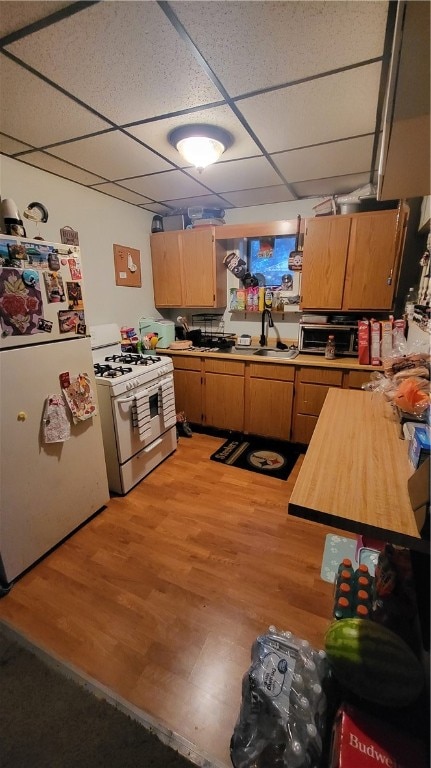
pixel 355 472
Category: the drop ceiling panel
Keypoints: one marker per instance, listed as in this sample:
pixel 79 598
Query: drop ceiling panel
pixel 160 186
pixel 157 208
pixel 115 190
pixel 337 158
pixel 132 65
pixel 238 174
pixel 341 185
pixel 52 164
pixel 10 146
pixel 206 201
pixel 334 107
pixel 263 196
pixel 259 44
pixel 128 61
pixel 16 15
pixel 155 134
pixel 35 113
pixel 111 155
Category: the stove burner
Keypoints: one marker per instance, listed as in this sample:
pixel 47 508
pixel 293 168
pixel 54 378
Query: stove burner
pixel 108 372
pixel 132 359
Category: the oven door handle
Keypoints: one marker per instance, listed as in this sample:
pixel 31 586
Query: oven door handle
pixel 126 401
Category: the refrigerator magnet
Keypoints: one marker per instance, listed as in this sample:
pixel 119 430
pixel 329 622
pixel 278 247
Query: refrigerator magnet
pixel 44 325
pixel 75 268
pixel 54 287
pixel 74 295
pixel 68 321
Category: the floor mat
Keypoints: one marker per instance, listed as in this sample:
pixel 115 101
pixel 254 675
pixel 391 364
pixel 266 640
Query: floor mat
pixel 336 549
pixel 275 458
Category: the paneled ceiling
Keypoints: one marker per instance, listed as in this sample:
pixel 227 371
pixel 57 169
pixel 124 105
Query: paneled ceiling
pixel 90 91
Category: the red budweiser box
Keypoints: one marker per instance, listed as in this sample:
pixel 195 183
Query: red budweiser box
pixel 361 742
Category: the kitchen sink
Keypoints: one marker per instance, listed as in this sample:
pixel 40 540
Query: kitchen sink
pixel 282 354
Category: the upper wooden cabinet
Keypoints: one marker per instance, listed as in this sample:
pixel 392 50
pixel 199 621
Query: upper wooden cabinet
pixel 188 269
pixel 351 262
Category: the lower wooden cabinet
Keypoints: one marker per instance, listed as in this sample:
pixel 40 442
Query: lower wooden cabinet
pixel 269 400
pixel 188 388
pixel 312 385
pixel 224 394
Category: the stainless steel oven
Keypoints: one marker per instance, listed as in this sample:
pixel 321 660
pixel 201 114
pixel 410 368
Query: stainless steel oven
pixel 313 338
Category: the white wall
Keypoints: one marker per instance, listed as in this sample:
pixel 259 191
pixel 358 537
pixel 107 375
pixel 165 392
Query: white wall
pixel 101 221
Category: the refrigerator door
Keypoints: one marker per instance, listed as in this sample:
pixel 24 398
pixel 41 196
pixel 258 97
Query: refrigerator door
pixel 41 296
pixel 46 489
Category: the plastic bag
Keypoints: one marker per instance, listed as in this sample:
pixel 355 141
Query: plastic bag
pixel 282 716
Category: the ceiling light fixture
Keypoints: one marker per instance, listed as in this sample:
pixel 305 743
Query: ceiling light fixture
pixel 200 145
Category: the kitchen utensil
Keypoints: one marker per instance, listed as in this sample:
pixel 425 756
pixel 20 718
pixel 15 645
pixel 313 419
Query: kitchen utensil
pixel 183 322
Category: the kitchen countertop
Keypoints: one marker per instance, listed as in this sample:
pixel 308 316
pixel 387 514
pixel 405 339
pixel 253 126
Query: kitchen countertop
pixel 313 361
pixel 358 433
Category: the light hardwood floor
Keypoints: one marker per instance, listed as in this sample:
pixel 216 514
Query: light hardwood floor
pixel 161 595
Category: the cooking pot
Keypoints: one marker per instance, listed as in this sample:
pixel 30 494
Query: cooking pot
pixel 350 207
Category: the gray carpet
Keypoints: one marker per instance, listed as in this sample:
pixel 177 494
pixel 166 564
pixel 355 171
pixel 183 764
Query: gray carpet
pixel 49 721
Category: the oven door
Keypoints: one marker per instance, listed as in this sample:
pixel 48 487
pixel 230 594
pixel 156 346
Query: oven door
pixel 142 415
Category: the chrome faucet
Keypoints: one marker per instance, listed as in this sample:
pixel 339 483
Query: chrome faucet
pixel 266 315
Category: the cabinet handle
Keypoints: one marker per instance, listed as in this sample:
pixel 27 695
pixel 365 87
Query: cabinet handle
pixel 389 280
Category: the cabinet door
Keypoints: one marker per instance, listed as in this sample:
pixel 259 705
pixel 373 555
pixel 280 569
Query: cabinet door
pixel 372 261
pixel 224 401
pixel 198 262
pixel 188 394
pixel 324 262
pixel 165 259
pixel 269 408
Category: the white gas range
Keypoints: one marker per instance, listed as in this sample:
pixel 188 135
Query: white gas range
pixel 137 408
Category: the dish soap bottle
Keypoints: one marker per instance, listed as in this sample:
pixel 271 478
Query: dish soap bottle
pixel 330 348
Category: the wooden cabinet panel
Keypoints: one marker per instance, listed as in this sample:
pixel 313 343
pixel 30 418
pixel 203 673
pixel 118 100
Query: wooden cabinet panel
pixel 221 365
pixel 324 262
pixel 352 262
pixel 319 376
pixel 269 408
pixel 187 363
pixel 268 371
pixel 188 394
pixel 371 264
pixel 310 398
pixel 355 379
pixel 303 428
pixel 224 401
pixel 166 264
pixel 198 264
pixel 188 269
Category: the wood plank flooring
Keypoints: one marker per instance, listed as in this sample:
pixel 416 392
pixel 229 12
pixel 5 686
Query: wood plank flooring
pixel 161 595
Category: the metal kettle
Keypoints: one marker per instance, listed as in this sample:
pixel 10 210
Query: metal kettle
pixel 157 224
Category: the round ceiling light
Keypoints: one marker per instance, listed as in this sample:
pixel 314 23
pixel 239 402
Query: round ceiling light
pixel 200 145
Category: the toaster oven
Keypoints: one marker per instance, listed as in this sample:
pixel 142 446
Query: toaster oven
pixel 313 338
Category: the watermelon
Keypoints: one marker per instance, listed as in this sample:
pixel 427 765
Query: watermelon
pixel 373 662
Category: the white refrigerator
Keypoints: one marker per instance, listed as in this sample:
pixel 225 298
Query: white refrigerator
pixel 52 468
